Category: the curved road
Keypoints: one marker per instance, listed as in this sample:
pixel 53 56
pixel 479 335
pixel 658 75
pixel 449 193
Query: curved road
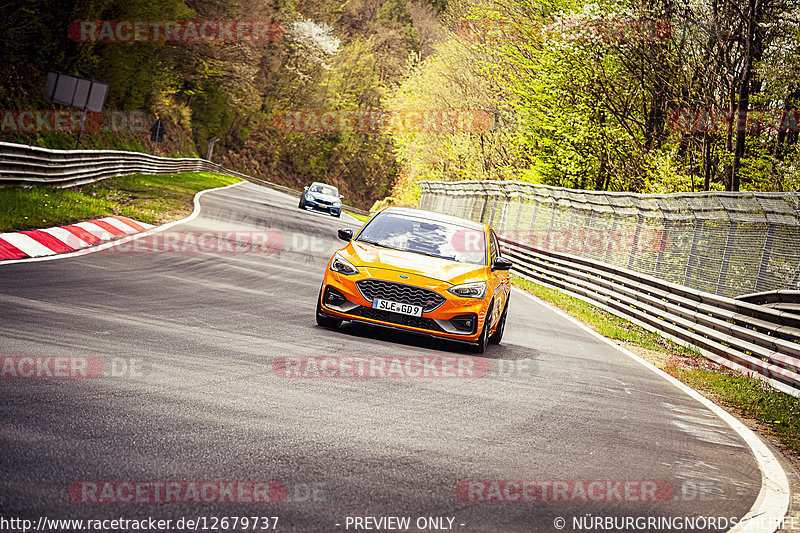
pixel 203 330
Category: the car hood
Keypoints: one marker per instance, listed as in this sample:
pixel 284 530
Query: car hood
pixel 375 258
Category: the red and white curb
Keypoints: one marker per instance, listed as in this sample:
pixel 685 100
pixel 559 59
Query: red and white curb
pixel 61 239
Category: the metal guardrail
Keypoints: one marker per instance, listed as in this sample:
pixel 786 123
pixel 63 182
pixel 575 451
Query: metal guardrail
pixel 742 336
pixel 710 247
pixel 725 243
pixel 30 165
pixel 781 300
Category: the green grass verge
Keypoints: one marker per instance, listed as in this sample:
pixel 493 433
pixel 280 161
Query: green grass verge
pixel 601 321
pixel 750 397
pixel 151 198
pixel 362 218
pixel 753 399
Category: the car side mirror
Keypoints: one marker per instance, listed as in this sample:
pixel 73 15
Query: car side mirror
pixel 305 188
pixel 346 234
pixel 341 197
pixel 501 263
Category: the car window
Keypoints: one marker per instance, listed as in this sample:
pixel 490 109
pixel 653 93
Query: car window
pixel 434 238
pixel 494 247
pixel 324 189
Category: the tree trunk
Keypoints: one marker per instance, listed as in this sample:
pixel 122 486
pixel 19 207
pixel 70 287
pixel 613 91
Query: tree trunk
pixel 601 172
pixel 744 93
pixel 706 162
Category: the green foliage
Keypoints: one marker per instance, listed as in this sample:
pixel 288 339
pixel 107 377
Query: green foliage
pixel 557 90
pixel 230 90
pixel 754 398
pixel 595 98
pixel 394 11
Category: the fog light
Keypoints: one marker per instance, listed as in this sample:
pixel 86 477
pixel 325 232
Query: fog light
pixel 464 322
pixel 334 297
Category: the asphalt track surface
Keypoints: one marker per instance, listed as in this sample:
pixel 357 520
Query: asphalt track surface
pixel 208 405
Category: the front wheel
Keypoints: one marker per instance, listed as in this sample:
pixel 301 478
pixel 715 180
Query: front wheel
pixel 302 203
pixel 483 340
pixel 501 326
pixel 324 320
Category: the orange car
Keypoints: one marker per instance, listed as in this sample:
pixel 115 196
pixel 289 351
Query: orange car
pixel 421 272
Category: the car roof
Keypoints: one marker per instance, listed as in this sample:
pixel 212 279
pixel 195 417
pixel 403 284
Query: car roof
pixel 433 216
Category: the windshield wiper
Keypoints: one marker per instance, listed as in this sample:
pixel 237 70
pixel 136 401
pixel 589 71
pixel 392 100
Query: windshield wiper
pixel 429 254
pixel 373 243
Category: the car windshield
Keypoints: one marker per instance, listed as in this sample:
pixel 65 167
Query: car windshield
pixel 433 238
pixel 324 189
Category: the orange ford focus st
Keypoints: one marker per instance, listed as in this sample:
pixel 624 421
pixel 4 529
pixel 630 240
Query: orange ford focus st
pixel 421 272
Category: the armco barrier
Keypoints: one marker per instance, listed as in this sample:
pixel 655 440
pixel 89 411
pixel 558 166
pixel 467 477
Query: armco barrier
pixel 29 165
pixel 754 339
pixel 742 336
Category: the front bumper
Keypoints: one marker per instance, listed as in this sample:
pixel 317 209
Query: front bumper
pixel 319 206
pixel 458 319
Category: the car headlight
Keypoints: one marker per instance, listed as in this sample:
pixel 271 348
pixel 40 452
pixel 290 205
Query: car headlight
pixel 469 290
pixel 343 266
pixel 337 204
pixel 309 197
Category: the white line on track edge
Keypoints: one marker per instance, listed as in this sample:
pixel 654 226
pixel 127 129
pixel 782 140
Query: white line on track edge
pixel 772 502
pixel 127 238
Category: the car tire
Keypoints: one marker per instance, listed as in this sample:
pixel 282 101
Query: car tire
pixel 483 340
pixel 324 320
pixel 497 336
pixel 302 203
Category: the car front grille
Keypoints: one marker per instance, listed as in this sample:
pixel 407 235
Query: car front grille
pixel 397 292
pixel 396 318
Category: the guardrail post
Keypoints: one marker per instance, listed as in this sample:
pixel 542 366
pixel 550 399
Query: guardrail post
pixel 635 244
pixel 726 258
pixel 795 283
pixel 612 240
pixel 766 251
pixel 663 249
pixel 522 198
pixel 506 205
pixel 553 207
pixel 535 213
pixel 692 259
pixel 485 201
pixel 588 229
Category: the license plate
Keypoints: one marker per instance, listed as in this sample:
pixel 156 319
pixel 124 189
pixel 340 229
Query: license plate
pixel 397 307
